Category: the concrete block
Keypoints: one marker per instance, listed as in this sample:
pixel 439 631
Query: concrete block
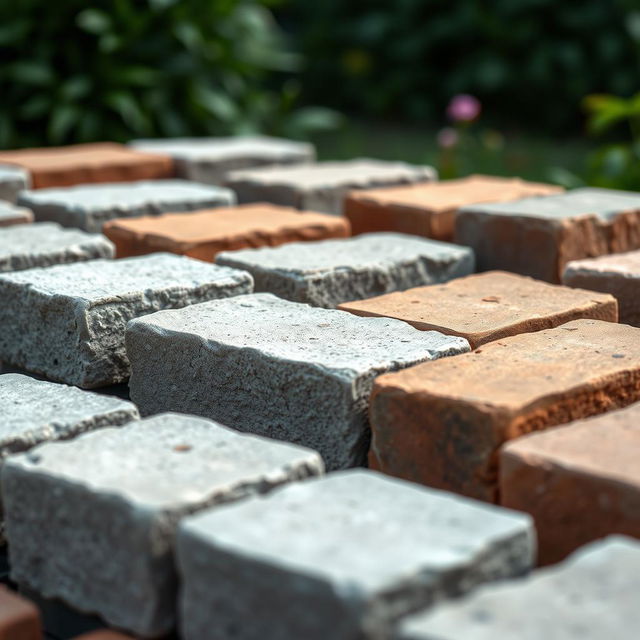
pixel 12 181
pixel 10 214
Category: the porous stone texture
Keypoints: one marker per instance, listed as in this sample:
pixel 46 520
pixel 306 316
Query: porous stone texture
pixel 76 314
pixel 591 596
pixel 83 163
pixel 327 273
pixel 488 306
pixel 322 186
pixel 19 618
pixel 208 160
pixel 430 209
pixel 204 234
pixel 44 244
pixel 538 236
pixel 580 482
pixel 12 181
pixel 92 521
pixel 10 214
pixel 89 206
pixel 442 424
pixel 340 557
pixel 276 368
pixel 617 274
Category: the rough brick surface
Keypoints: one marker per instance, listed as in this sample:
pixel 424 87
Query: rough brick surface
pixel 322 186
pixel 442 423
pixel 12 181
pixel 10 214
pixel 19 618
pixel 92 521
pixel 204 234
pixel 44 244
pixel 88 207
pixel 208 160
pixel 76 314
pixel 349 553
pixel 430 209
pixel 273 367
pixel 327 273
pixel 104 634
pixel 592 596
pixel 488 306
pixel 538 236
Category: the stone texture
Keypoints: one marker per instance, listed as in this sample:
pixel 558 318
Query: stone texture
pixel 349 554
pixel 327 273
pixel 488 306
pixel 592 596
pixel 19 618
pixel 208 160
pixel 92 521
pixel 89 206
pixel 82 163
pixel 430 209
pixel 76 314
pixel 322 186
pixel 44 244
pixel 276 368
pixel 10 214
pixel 12 181
pixel 580 482
pixel 539 236
pixel 442 424
pixel 204 234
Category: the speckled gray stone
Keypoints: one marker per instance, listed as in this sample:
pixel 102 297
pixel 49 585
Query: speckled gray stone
pixel 322 186
pixel 89 206
pixel 341 557
pixel 10 214
pixel 329 272
pixel 276 368
pixel 593 595
pixel 12 181
pixel 92 521
pixel 43 244
pixel 208 160
pixel 67 322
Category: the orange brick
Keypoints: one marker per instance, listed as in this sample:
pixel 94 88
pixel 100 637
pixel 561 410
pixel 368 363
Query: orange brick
pixel 19 618
pixel 104 634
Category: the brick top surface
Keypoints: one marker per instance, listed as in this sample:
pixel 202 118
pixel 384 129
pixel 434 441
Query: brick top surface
pixel 623 264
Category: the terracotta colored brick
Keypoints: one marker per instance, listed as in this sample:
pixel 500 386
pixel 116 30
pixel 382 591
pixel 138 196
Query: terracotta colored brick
pixel 580 482
pixel 488 306
pixel 441 423
pixel 539 236
pixel 104 634
pixel 19 618
pixel 430 209
pixel 77 164
pixel 204 234
pixel 10 215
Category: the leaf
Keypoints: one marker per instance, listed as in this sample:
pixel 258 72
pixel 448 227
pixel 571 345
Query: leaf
pixel 128 109
pixel 31 73
pixel 62 120
pixel 93 21
pixel 218 104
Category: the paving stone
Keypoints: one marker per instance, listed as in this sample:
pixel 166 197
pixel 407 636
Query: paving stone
pixel 322 186
pixel 10 214
pixel 12 181
pixel 349 553
pixel 76 314
pixel 538 236
pixel 442 423
pixel 327 273
pixel 83 163
pixel 19 618
pixel 488 306
pixel 92 521
pixel 208 160
pixel 204 234
pixel 89 206
pixel 591 596
pixel 44 244
pixel 276 368
pixel 430 209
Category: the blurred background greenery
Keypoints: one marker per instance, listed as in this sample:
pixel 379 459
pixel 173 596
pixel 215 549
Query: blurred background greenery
pixel 557 82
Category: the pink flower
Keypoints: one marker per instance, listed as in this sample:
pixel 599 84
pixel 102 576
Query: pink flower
pixel 447 138
pixel 464 108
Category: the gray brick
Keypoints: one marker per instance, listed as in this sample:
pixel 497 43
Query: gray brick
pixel 10 214
pixel 12 181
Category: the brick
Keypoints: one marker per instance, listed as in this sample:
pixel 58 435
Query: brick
pixel 92 521
pixel 104 634
pixel 44 244
pixel 208 160
pixel 316 541
pixel 83 163
pixel 19 618
pixel 429 210
pixel 580 482
pixel 273 367
pixel 322 186
pixel 442 423
pixel 88 207
pixel 76 314
pixel 12 181
pixel 593 595
pixel 488 306
pixel 204 234
pixel 538 236
pixel 10 214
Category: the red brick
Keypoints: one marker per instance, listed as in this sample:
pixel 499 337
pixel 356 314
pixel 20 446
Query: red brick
pixel 104 634
pixel 19 618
